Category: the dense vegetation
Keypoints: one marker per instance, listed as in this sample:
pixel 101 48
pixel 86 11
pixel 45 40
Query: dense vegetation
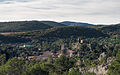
pixel 22 26
pixel 52 23
pixel 12 39
pixel 97 40
pixel 114 68
pixel 112 29
pixel 67 32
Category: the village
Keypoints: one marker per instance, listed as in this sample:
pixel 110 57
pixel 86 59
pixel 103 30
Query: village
pixel 98 69
pixel 75 51
pixel 45 55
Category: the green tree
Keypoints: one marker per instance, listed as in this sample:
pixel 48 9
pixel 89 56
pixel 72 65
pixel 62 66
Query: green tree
pixel 35 70
pixel 2 59
pixel 114 68
pixel 14 66
pixel 63 63
pixel 74 72
pixel 48 67
pixel 89 73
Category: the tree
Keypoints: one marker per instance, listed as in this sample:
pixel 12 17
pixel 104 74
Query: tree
pixel 2 59
pixel 35 70
pixel 89 73
pixel 14 66
pixel 114 68
pixel 48 67
pixel 63 63
pixel 74 72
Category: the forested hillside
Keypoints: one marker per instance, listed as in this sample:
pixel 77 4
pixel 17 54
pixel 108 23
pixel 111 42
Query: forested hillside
pixel 64 33
pixel 52 23
pixel 12 39
pixel 22 26
pixel 112 29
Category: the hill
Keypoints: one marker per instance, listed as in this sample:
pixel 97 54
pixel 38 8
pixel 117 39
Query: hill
pixel 52 23
pixel 12 39
pixel 21 26
pixel 76 23
pixel 111 29
pixel 64 33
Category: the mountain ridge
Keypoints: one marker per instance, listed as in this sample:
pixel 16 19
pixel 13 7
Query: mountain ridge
pixel 21 26
pixel 71 23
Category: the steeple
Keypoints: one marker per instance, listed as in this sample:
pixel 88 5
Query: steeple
pixel 80 41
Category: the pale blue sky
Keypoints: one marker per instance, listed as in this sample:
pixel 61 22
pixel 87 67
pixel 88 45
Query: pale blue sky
pixel 90 11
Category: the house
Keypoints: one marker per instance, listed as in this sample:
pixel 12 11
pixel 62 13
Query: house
pixel 37 58
pixel 81 41
pixel 44 56
pixel 39 49
pixel 26 46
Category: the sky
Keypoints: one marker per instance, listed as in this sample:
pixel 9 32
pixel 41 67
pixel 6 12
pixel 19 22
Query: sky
pixel 90 11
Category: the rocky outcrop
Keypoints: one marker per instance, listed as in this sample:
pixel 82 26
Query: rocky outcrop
pixel 99 69
pixel 102 55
